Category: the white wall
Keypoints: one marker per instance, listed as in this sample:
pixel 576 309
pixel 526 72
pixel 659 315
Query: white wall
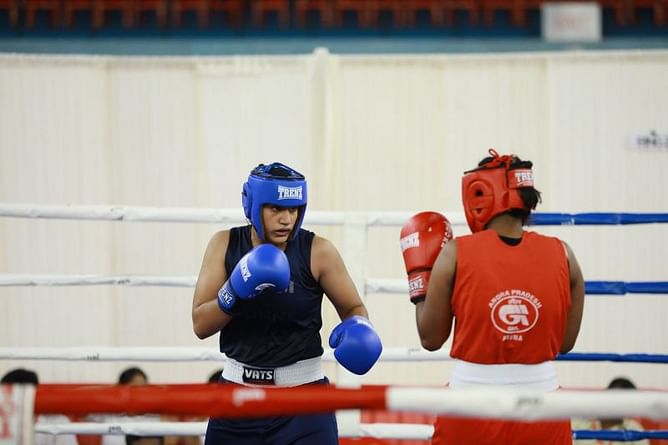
pixel 370 132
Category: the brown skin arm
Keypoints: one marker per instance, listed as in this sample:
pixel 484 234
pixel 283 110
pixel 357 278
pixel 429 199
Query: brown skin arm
pixel 434 315
pixel 574 317
pixel 328 268
pixel 207 317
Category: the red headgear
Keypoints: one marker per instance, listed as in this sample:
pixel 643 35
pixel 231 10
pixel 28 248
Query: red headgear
pixel 491 189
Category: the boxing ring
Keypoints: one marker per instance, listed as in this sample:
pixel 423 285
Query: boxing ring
pixel 205 400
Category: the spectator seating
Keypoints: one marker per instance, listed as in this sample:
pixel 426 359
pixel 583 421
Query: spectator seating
pixel 300 14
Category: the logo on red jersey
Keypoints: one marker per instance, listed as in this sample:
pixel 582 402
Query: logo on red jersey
pixel 514 311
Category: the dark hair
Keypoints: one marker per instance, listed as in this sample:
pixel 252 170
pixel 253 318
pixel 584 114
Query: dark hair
pixel 530 196
pixel 621 383
pixel 130 373
pixel 20 375
pixel 215 377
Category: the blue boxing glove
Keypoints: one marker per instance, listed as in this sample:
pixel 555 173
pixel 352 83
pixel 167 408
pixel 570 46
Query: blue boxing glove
pixel 356 344
pixel 263 267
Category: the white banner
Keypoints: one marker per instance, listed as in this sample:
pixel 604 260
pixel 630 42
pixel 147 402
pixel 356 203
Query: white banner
pixel 571 22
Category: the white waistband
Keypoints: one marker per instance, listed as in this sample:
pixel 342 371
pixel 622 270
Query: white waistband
pixel 539 376
pixel 300 373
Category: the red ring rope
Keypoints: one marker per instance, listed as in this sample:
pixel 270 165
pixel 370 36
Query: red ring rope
pixel 204 400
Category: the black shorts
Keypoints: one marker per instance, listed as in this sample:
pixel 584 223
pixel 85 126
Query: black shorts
pixel 303 429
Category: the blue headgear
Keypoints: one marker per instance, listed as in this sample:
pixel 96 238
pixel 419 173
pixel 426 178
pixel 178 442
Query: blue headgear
pixel 275 184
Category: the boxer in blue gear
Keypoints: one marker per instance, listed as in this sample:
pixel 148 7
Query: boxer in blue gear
pixel 261 286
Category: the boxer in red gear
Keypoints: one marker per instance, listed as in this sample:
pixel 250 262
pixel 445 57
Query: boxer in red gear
pixel 517 297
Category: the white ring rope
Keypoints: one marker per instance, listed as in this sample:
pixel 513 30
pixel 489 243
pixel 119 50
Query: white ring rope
pixel 200 215
pixel 511 403
pixel 412 431
pixel 373 285
pixel 183 354
pixel 386 286
pixel 118 429
pixel 376 430
pixel 95 280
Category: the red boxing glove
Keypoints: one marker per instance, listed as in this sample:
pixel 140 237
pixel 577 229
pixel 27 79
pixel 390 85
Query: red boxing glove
pixel 422 238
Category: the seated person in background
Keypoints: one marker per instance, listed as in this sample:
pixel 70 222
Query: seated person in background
pixel 610 424
pixel 26 376
pixel 190 440
pixel 145 440
pixel 215 376
pixel 132 376
pixel 20 376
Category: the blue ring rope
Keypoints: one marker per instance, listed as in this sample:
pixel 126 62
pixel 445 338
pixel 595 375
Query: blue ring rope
pixel 612 357
pixel 603 218
pixel 621 288
pixel 555 219
pixel 619 435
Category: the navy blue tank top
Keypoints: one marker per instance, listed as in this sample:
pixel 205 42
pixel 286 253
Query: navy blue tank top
pixel 275 329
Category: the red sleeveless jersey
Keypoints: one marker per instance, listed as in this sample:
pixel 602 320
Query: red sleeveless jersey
pixel 509 302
